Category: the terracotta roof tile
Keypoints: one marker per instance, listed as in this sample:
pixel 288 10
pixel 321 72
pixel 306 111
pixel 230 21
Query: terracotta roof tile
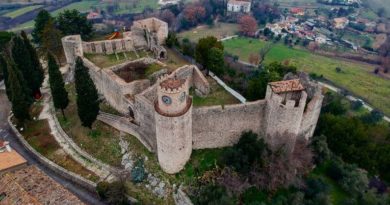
pixel 286 86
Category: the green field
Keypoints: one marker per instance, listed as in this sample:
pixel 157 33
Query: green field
pixel 378 4
pixel 219 30
pixel 355 77
pixel 138 7
pixel 21 11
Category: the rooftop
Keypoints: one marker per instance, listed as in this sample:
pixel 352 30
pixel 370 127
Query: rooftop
pixel 172 83
pixel 286 86
pixel 9 160
pixel 238 2
pixel 31 186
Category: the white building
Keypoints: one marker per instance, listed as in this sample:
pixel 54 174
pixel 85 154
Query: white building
pixel 239 6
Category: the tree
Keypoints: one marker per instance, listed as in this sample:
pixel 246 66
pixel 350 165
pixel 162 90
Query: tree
pixel 203 48
pixel 37 73
pixel 72 22
pixel 22 60
pixel 4 68
pixel 51 42
pixel 215 61
pixel 194 14
pixel 87 96
pixel 212 194
pixel 19 98
pixel 321 149
pixel 248 25
pixel 57 85
pixel 171 40
pixel 113 193
pixel 40 22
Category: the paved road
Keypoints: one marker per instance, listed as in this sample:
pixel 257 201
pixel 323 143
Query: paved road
pixel 352 98
pixel 84 195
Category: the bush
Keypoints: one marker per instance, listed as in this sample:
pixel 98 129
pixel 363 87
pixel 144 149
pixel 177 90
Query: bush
pixel 213 195
pixel 245 153
pixel 321 149
pixel 356 105
pixel 113 193
pixel 138 172
pixel 335 169
pixel 316 186
pixel 354 181
pixel 102 189
pixel 373 117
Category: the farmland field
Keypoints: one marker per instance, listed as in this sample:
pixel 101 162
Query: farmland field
pixel 220 30
pixel 355 77
pixel 21 11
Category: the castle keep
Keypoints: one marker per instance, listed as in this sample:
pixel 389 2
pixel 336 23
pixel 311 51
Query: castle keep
pixel 159 110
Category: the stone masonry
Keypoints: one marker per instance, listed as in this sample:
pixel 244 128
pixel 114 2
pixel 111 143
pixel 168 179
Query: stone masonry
pixel 160 113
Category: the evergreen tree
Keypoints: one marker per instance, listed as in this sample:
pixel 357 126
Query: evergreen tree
pixel 73 22
pixel 51 42
pixel 19 98
pixel 22 60
pixel 37 73
pixel 215 61
pixel 87 96
pixel 57 85
pixel 40 22
pixel 3 67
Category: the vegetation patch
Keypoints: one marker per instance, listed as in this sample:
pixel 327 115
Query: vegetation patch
pixel 217 96
pixel 102 141
pixel 356 78
pixel 220 30
pixel 38 135
pixel 108 60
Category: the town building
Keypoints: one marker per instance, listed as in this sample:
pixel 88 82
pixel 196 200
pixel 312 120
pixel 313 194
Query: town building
pixel 239 6
pixel 340 23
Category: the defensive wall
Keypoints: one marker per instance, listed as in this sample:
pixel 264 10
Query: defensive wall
pixel 160 114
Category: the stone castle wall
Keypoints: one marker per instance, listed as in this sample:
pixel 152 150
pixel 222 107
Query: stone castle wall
pixel 310 117
pixel 219 126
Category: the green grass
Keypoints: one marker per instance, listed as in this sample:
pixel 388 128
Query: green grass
pixel 102 141
pixel 38 134
pixel 359 39
pixel 82 6
pixel 355 77
pixel 21 11
pixel 219 30
pixel 108 60
pixel 217 96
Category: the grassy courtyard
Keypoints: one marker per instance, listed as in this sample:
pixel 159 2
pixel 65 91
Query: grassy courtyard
pixel 217 96
pixel 105 61
pixel 355 77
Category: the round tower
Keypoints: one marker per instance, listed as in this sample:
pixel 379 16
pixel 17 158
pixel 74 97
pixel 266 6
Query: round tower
pixel 173 114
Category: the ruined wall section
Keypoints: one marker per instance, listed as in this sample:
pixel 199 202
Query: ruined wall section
pixel 215 126
pixel 154 25
pixel 310 117
pixel 72 48
pixel 283 117
pixel 109 46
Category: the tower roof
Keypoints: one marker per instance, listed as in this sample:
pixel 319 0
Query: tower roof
pixel 286 86
pixel 172 83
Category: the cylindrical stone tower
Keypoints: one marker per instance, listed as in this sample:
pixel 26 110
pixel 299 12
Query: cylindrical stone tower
pixel 173 124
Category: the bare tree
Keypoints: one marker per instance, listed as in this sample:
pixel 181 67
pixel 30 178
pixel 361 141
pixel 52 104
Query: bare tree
pixel 264 51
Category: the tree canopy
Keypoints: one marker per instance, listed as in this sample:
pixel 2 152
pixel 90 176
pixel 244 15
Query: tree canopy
pixel 57 85
pixel 72 22
pixel 40 22
pixel 87 96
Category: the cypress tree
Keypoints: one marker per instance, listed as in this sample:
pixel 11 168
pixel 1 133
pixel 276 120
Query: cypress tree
pixel 57 85
pixel 3 67
pixel 37 73
pixel 22 61
pixel 87 96
pixel 40 22
pixel 19 98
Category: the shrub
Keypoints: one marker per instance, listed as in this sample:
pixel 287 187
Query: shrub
pixel 335 169
pixel 356 105
pixel 373 117
pixel 102 189
pixel 138 172
pixel 315 186
pixel 321 149
pixel 212 194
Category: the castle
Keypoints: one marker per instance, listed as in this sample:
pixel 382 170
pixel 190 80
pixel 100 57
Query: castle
pixel 159 110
